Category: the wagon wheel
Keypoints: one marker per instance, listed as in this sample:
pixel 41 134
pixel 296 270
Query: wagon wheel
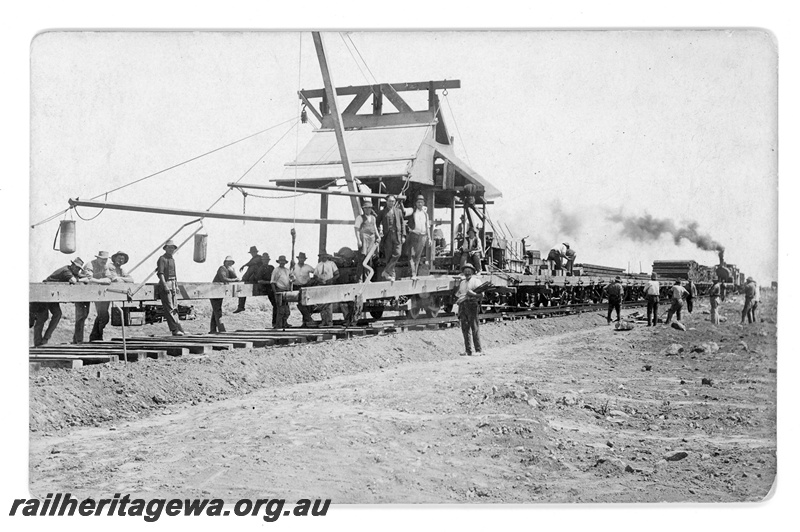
pixel 413 312
pixel 433 307
pixel 448 307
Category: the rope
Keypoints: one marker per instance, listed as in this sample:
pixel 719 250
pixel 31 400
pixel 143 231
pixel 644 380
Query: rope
pixel 297 131
pixel 50 218
pixel 93 217
pixel 354 58
pixel 461 138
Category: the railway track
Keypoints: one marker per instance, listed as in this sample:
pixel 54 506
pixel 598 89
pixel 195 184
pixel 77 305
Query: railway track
pixel 160 347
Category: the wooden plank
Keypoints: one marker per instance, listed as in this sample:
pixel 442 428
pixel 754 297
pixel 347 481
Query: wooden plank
pixel 67 293
pixel 310 106
pixel 357 102
pixel 391 95
pixel 195 347
pixel 87 359
pixel 399 87
pixel 317 295
pixel 58 363
pixel 134 355
pixel 172 350
pixel 382 120
pixel 203 214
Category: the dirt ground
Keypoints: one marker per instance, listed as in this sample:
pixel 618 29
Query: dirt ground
pixel 559 410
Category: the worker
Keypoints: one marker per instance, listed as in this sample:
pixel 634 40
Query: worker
pixel 100 271
pixel 168 287
pixel 615 292
pixel 418 234
pixel 118 260
pixel 756 301
pixel 393 229
pixel 714 295
pixel 691 293
pixel 569 255
pixel 439 241
pixel 472 251
pixel 469 307
pixel 72 273
pixel 678 294
pixel 554 258
pixel 225 274
pixel 281 282
pixel 750 300
pixel 251 275
pixel 303 275
pixel 652 292
pixel 461 231
pixel 326 273
pixel 264 279
pixel 367 235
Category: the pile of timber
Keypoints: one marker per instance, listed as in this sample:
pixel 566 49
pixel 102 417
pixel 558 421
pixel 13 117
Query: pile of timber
pixel 677 269
pixel 594 269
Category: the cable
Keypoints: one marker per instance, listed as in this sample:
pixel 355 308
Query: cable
pixel 362 58
pixel 354 58
pixel 450 106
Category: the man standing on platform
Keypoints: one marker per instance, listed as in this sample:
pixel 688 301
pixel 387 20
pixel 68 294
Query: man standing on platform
pixel 251 275
pixel 225 274
pixel 72 274
pixel 394 235
pixel 326 273
pixel 281 282
pixel 302 275
pixel 418 234
pixel 469 308
pixel 366 234
pixel 168 287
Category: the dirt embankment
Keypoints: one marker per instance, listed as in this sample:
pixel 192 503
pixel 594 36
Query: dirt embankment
pixel 560 410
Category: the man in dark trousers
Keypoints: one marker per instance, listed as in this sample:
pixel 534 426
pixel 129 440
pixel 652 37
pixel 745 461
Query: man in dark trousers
pixel 679 293
pixel 264 278
pixel 691 293
pixel 651 292
pixel 469 307
pixel 225 274
pixel 168 287
pixel 615 292
pixel 391 220
pixel 72 274
pixel 251 275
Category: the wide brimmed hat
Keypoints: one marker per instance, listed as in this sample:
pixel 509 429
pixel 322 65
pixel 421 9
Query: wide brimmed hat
pixel 617 278
pixel 102 255
pixel 471 230
pixel 282 259
pixel 120 254
pixel 566 243
pixel 168 243
pixel 749 279
pixel 468 265
pixel 77 261
pixel 366 203
pixel 229 259
pixel 301 255
pixel 253 249
pixel 265 255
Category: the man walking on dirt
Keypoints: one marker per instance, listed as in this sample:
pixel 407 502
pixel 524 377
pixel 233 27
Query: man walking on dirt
pixel 679 293
pixel 691 293
pixel 168 287
pixel 225 274
pixel 750 300
pixel 250 276
pixel 714 297
pixel 651 292
pixel 468 309
pixel 615 292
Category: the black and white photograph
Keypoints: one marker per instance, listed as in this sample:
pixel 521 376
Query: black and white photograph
pixel 403 267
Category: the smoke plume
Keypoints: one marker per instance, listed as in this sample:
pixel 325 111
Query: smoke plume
pixel 566 224
pixel 648 229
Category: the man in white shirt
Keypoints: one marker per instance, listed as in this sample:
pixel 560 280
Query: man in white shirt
pixel 469 307
pixel 679 293
pixel 651 293
pixel 302 275
pixel 418 235
pixel 326 273
pixel 281 282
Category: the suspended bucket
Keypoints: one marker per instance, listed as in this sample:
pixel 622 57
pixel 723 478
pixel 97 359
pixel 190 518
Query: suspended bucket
pixel 67 242
pixel 200 247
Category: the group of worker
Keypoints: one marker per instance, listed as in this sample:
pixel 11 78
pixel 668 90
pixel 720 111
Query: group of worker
pixel 562 259
pixel 277 281
pixel 104 269
pixel 680 294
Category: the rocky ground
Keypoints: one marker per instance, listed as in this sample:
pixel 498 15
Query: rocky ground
pixel 559 410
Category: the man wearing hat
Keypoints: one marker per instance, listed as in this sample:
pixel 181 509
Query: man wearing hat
pixel 569 256
pixel 117 275
pixel 72 273
pixel 168 287
pixel 652 291
pixel 418 234
pixel 615 292
pixel 281 282
pixel 99 271
pixel 468 309
pixel 471 250
pixel 393 226
pixel 679 293
pixel 713 299
pixel 118 260
pixel 751 297
pixel 263 278
pixel 302 275
pixel 251 275
pixel 326 272
pixel 366 234
pixel 225 274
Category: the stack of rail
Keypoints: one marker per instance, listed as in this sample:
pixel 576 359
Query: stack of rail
pixel 677 269
pixel 596 270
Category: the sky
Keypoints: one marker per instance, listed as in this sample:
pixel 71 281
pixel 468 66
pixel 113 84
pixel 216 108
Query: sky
pixel 576 128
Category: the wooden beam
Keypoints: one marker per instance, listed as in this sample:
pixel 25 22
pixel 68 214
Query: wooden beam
pixel 202 214
pixel 399 103
pixel 310 190
pixel 399 87
pixel 67 293
pixel 357 102
pixel 310 106
pixel 381 120
pixel 327 78
pixel 317 295
pixel 323 229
